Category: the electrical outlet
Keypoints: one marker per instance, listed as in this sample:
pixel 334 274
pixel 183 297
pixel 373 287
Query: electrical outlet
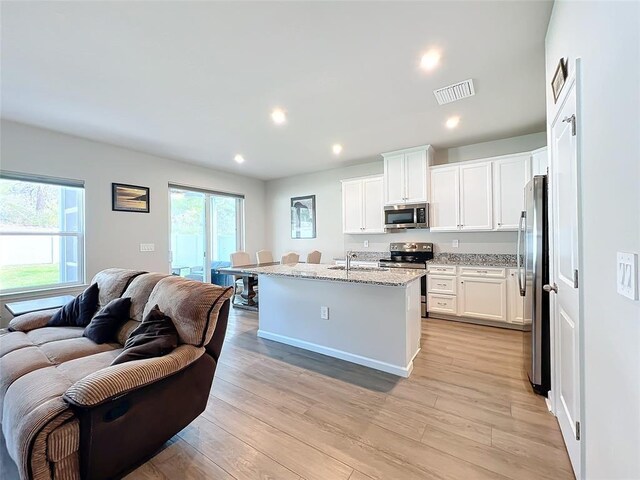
pixel 455 243
pixel 366 244
pixel 324 313
pixel 147 247
pixel 627 275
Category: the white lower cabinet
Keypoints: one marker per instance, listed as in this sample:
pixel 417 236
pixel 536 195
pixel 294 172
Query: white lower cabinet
pixel 482 293
pixel 514 299
pixel 442 303
pixel 484 298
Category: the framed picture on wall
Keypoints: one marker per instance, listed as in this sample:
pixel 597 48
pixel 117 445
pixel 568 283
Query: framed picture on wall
pixel 303 217
pixel 129 198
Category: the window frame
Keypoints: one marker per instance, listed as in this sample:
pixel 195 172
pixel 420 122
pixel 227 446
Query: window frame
pixel 79 235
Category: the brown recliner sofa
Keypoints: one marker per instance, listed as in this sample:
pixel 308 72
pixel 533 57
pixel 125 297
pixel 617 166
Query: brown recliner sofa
pixel 68 414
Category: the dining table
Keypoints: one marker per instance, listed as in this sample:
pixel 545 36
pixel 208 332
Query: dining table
pixel 247 299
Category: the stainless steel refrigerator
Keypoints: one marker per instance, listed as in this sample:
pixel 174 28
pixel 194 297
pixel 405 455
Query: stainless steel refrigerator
pixel 533 273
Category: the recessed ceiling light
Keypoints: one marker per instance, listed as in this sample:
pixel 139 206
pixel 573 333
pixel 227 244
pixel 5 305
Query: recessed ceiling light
pixel 430 60
pixel 278 116
pixel 337 148
pixel 452 122
pixel 239 158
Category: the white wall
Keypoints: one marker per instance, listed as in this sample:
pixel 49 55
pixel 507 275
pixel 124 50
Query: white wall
pixel 605 35
pixel 113 238
pixel 505 146
pixel 326 186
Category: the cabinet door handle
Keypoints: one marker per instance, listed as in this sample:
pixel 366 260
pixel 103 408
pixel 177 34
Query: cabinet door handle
pixel 442 304
pixel 442 284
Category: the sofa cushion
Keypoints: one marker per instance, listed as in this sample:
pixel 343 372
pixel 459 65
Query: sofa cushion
pixel 72 348
pixel 79 311
pixel 13 341
pixel 192 306
pixel 79 368
pixel 112 283
pixel 19 363
pixel 156 336
pixel 44 335
pixel 104 325
pixel 139 290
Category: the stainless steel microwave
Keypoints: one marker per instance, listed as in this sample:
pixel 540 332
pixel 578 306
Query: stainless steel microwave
pixel 414 215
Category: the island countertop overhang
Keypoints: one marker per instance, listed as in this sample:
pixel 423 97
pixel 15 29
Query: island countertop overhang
pixel 394 277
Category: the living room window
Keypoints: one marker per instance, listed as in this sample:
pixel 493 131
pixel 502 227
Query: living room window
pixel 41 232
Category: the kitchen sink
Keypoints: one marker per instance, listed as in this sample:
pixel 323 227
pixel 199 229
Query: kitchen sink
pixel 359 269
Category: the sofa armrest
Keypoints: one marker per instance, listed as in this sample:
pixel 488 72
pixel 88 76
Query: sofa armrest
pixel 31 321
pixel 111 382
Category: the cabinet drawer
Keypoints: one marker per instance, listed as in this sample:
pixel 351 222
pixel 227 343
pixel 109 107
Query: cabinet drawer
pixel 441 269
pixel 441 284
pixel 491 272
pixel 442 303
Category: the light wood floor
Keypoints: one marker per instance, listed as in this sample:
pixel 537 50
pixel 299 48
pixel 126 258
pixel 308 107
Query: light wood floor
pixel 279 412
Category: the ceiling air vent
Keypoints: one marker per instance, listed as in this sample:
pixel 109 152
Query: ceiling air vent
pixel 454 92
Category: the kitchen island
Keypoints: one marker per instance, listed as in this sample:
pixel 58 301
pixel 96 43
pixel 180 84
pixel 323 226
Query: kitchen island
pixel 372 315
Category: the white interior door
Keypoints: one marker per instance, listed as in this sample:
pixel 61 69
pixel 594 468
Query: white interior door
pixel 565 302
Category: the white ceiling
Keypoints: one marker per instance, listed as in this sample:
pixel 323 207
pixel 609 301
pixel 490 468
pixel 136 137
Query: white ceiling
pixel 196 81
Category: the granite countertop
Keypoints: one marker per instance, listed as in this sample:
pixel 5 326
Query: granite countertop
pixel 366 256
pixel 473 259
pixel 395 277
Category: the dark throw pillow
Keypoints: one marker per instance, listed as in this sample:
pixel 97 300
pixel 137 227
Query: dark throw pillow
pixel 79 311
pixel 156 336
pixel 105 324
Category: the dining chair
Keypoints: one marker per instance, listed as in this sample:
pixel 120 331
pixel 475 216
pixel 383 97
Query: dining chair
pixel 314 257
pixel 264 256
pixel 290 257
pixel 237 260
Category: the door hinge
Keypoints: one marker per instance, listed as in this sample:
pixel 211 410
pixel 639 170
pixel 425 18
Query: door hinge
pixel 577 430
pixel 575 279
pixel 572 120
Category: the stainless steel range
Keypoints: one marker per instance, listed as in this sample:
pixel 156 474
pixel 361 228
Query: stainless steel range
pixel 411 255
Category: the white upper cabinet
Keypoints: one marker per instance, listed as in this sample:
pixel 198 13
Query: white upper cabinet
pixel 444 209
pixel 352 206
pixel 539 161
pixel 373 205
pixel 406 175
pixel 479 195
pixel 416 174
pixel 362 207
pixel 510 175
pixel 476 197
pixel 394 179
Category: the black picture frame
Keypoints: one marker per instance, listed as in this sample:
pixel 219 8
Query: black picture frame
pixel 303 217
pixel 559 79
pixel 129 198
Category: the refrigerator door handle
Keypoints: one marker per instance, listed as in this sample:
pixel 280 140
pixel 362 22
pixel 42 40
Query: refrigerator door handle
pixel 519 253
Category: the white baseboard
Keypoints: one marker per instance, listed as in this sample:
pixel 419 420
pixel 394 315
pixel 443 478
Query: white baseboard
pixel 400 371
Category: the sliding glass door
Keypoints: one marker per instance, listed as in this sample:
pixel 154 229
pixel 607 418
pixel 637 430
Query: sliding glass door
pixel 206 228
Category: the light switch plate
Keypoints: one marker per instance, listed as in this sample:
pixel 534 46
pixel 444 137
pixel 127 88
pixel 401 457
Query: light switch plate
pixel 366 244
pixel 324 313
pixel 147 247
pixel 627 275
pixel 455 243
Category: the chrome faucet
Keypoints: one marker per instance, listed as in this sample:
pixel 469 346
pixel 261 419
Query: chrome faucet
pixel 349 257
